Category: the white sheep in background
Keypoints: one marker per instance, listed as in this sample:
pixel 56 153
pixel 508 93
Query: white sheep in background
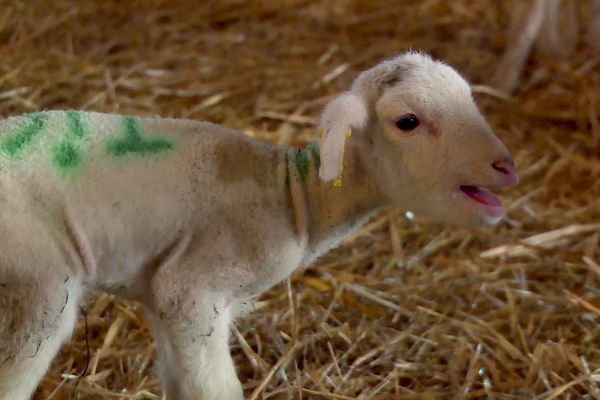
pixel 553 26
pixel 193 219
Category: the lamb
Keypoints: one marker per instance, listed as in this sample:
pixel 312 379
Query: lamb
pixel 193 220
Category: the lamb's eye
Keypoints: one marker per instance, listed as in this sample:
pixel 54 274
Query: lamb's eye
pixel 407 122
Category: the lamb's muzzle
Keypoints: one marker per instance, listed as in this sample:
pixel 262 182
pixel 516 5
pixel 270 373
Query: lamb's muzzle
pixel 484 198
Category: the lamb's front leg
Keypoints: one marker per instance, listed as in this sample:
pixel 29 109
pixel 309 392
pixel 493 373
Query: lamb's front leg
pixel 193 352
pixel 38 312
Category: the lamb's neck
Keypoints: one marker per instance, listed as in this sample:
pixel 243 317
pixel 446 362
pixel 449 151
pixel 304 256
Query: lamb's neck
pixel 325 212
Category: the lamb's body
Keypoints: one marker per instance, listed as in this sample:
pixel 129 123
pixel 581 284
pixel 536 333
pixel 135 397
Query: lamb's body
pixel 193 220
pixel 115 218
pixel 180 215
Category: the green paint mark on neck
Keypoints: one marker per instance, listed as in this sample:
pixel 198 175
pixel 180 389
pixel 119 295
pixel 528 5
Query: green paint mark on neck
pixel 304 160
pixel 134 143
pixel 13 145
pixel 314 148
pixel 302 164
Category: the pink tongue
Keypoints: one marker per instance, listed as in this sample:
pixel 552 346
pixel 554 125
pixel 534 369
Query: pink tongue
pixel 481 196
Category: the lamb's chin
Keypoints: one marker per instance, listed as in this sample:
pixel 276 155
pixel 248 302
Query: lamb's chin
pixel 464 213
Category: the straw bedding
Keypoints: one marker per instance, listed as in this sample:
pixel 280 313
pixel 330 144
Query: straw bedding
pixel 405 309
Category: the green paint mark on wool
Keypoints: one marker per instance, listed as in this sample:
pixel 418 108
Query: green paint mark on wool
pixel 13 145
pixel 66 156
pixel 302 164
pixel 134 143
pixel 315 151
pixel 302 160
pixel 309 155
pixel 76 127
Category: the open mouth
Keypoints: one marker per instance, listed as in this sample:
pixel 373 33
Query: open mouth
pixel 483 197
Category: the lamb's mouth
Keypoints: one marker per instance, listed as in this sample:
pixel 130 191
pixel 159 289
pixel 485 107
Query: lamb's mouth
pixel 484 198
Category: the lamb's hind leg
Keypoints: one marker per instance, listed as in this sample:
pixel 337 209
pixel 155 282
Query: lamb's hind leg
pixel 37 313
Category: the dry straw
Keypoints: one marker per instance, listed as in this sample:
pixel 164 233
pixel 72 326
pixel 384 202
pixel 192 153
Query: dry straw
pixel 405 309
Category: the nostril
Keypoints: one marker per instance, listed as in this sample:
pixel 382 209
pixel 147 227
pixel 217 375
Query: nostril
pixel 506 166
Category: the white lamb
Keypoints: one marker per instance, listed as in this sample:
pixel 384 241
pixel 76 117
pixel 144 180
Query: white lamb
pixel 193 219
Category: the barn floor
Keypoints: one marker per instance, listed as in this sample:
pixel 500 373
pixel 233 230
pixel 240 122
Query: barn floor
pixel 406 309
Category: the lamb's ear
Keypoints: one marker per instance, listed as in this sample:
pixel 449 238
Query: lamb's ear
pixel 345 114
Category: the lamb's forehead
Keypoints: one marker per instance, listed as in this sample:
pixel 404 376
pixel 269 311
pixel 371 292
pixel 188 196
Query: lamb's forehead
pixel 420 78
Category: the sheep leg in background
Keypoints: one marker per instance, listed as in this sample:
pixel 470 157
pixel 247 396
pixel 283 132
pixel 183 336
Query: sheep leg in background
pixel 525 28
pixel 38 315
pixel 594 30
pixel 560 29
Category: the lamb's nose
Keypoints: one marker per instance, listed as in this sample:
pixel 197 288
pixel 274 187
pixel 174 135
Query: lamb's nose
pixel 506 167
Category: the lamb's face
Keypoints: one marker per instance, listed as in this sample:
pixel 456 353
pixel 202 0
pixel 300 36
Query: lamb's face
pixel 422 140
pixel 432 151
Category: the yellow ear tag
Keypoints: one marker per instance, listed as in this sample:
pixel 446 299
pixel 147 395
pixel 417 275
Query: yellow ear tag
pixel 338 181
pixel 320 131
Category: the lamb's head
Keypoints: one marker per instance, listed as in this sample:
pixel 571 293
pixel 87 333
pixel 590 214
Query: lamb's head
pixel 421 140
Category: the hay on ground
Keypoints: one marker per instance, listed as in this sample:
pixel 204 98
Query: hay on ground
pixel 405 309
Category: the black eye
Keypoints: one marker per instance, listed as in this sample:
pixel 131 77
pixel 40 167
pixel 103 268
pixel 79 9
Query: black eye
pixel 407 122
